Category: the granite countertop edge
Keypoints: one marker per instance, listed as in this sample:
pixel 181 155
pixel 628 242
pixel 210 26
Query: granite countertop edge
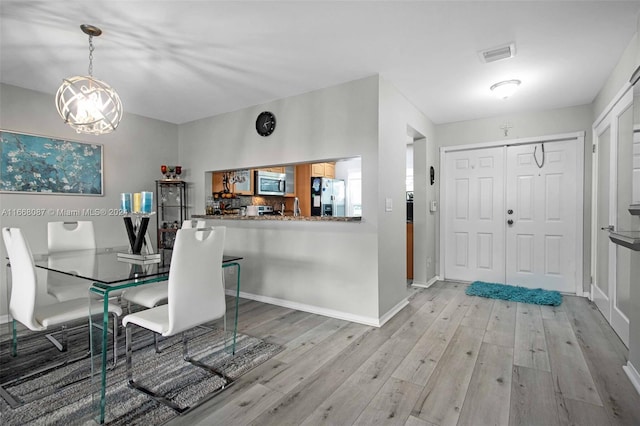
pixel 278 218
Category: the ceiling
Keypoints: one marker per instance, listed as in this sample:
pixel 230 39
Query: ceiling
pixel 179 61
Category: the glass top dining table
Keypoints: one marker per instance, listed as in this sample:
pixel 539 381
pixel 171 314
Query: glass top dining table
pixel 110 274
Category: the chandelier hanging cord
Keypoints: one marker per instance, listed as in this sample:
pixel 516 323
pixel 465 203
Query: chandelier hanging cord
pixel 91 31
pixel 91 56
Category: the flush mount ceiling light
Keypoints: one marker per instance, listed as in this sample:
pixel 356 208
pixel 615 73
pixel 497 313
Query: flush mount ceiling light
pixel 505 89
pixel 86 103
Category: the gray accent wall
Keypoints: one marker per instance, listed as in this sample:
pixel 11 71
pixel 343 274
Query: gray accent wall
pixel 132 158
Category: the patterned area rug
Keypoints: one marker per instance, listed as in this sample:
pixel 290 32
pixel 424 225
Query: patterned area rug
pixel 535 296
pixel 63 396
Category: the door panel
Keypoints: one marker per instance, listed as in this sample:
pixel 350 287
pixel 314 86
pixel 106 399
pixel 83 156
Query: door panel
pixel 621 295
pixel 543 198
pixel 474 224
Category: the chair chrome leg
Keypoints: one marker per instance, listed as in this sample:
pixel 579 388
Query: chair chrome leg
pixel 155 343
pixel 185 355
pixel 161 398
pixel 127 350
pixel 133 384
pixel 62 343
pixel 14 338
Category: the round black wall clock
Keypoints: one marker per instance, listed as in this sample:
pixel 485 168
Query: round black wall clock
pixel 265 123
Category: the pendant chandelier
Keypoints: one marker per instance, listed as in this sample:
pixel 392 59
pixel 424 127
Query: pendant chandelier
pixel 86 103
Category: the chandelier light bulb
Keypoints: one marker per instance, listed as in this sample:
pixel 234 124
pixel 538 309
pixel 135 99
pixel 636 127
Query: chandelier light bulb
pixel 505 89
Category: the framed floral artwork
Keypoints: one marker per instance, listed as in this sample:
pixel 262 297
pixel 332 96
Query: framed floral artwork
pixel 39 164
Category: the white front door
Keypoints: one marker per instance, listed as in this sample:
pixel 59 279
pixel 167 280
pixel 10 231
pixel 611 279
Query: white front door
pixel 484 189
pixel 474 215
pixel 541 208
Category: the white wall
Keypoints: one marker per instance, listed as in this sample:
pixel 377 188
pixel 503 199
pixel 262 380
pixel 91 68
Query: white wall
pixel 425 222
pixel 132 158
pixel 619 76
pixel 539 123
pixel 330 267
pixel 399 119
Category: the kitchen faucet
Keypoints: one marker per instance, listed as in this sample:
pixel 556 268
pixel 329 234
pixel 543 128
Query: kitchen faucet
pixel 296 207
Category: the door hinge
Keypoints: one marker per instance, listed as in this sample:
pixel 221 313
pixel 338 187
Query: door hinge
pixel 594 148
pixel 591 279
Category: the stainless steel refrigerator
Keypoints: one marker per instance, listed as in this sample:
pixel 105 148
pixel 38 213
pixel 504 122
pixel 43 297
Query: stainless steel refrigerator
pixel 327 197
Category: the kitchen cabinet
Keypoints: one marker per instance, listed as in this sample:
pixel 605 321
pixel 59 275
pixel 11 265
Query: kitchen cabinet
pixel 244 184
pixel 273 169
pixel 217 182
pixel 327 170
pixel 290 186
pixel 303 189
pixel 171 211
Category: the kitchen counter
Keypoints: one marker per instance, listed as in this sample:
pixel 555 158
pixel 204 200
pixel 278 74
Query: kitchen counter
pixel 278 218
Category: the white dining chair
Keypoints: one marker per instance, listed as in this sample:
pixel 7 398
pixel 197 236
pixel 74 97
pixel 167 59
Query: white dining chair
pixel 195 296
pixel 65 236
pixel 24 306
pixel 151 295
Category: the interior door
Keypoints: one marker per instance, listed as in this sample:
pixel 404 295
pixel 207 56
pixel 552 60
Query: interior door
pixel 604 249
pixel 541 194
pixel 610 290
pixel 621 305
pixel 474 219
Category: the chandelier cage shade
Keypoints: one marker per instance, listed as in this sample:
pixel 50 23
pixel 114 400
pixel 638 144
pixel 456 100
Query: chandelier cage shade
pixel 87 104
pixel 505 89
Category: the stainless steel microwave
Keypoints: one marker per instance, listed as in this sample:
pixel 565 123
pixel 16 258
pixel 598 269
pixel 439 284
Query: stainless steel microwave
pixel 270 183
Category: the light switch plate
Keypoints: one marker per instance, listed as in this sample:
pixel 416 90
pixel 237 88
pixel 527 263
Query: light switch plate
pixel 388 205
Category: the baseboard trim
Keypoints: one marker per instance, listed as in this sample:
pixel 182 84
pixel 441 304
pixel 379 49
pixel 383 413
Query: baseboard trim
pixel 4 319
pixel 375 322
pixel 390 313
pixel 633 375
pixel 428 284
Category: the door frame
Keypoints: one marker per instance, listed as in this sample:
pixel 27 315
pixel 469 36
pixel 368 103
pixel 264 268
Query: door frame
pixel 578 137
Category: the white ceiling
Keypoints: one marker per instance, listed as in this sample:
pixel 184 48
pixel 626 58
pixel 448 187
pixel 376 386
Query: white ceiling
pixel 179 61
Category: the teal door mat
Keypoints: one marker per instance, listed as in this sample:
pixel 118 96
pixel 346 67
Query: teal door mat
pixel 535 296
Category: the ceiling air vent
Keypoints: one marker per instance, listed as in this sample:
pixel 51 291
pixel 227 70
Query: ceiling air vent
pixel 497 53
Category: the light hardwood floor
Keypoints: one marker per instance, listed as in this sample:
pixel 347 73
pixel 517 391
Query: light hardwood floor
pixel 445 359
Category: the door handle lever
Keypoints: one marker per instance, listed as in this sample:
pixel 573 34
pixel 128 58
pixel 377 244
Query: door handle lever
pixel 608 228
